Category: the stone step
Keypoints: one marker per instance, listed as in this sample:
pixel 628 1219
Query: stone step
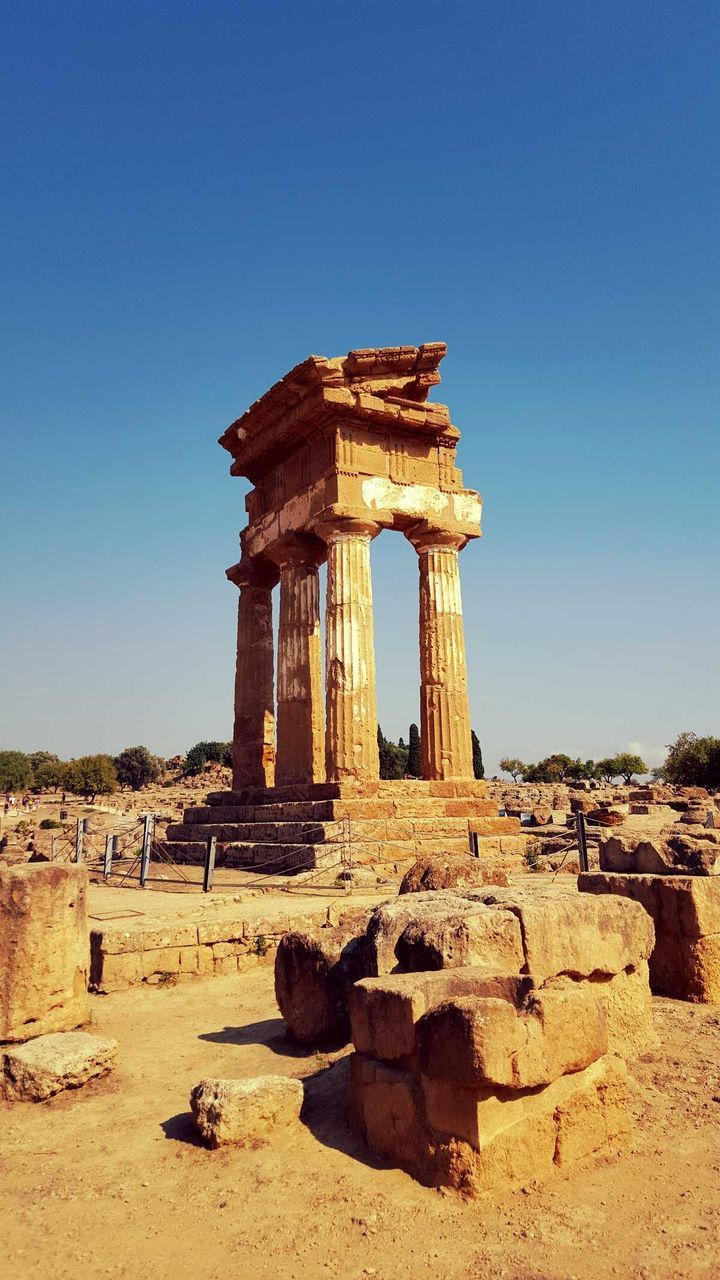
pixel 279 858
pixel 337 810
pixel 254 832
pixel 406 788
pixel 336 832
pixel 270 859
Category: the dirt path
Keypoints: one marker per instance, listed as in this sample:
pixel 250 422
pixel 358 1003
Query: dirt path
pixel 109 1182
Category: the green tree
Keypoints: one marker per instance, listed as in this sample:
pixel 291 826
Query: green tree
pixel 392 759
pixel 39 758
pixel 50 775
pixel 626 765
pixel 692 762
pixel 606 769
pixel 91 776
pixel 513 766
pixel 136 767
pixel 580 769
pixel 15 771
pixel 414 763
pixel 207 753
pixel 552 769
pixel 478 766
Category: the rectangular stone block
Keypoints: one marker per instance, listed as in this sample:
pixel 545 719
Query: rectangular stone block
pixel 475 1042
pixel 627 1001
pixel 481 1116
pixel 562 935
pixel 44 950
pixel 453 938
pixel 116 972
pixel 116 941
pixel 384 1011
pixel 386 1107
pixel 686 905
pixel 160 960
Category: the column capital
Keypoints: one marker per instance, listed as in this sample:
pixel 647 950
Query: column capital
pixel 297 548
pixel 254 571
pixel 335 523
pixel 426 537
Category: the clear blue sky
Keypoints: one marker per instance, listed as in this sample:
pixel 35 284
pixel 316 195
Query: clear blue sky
pixel 197 195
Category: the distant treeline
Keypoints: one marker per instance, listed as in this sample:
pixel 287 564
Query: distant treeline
pixel 691 761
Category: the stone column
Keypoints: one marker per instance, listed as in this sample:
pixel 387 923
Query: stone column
pixel 300 753
pixel 351 749
pixel 444 706
pixel 254 724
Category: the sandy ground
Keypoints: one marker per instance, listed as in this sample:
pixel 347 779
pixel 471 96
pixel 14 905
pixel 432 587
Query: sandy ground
pixel 110 1181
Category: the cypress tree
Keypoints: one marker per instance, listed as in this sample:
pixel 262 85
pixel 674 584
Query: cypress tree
pixel 414 764
pixel 478 766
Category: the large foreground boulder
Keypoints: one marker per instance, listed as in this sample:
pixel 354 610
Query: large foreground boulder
pixel 242 1111
pixel 40 1068
pixel 44 950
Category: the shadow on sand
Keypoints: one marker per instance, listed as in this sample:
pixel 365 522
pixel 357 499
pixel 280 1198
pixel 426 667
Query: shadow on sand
pixel 324 1113
pixel 271 1032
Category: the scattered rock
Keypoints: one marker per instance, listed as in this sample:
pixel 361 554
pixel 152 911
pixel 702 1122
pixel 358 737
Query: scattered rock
pixel 40 1068
pixel 227 1111
pixel 448 871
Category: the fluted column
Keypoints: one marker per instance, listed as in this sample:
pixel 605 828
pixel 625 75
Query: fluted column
pixel 351 749
pixel 444 706
pixel 254 721
pixel 300 750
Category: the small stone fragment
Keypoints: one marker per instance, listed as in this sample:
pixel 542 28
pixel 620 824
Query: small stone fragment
pixel 239 1111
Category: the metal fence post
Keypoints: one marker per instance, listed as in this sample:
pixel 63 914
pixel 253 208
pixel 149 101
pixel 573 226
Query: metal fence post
pixel 79 834
pixel 474 846
pixel 582 841
pixel 209 870
pixel 111 843
pixel 146 843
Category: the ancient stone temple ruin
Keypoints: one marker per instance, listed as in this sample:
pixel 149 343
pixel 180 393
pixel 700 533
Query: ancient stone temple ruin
pixel 338 451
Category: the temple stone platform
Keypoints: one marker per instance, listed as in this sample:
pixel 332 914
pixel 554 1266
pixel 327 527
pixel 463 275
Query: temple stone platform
pixel 290 829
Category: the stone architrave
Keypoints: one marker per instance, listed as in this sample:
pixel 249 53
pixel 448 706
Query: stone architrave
pixel 444 707
pixel 300 748
pixel 254 722
pixel 342 448
pixel 351 746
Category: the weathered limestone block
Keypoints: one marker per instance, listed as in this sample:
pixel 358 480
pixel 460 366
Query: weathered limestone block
pixel 454 938
pixel 388 921
pixel 561 934
pixel 44 950
pixel 685 910
pixel 61 1060
pixel 445 871
pixel 384 1012
pixel 670 852
pixel 627 1000
pixel 228 1111
pixel 386 1107
pixel 313 977
pixel 483 1141
pixel 474 1041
